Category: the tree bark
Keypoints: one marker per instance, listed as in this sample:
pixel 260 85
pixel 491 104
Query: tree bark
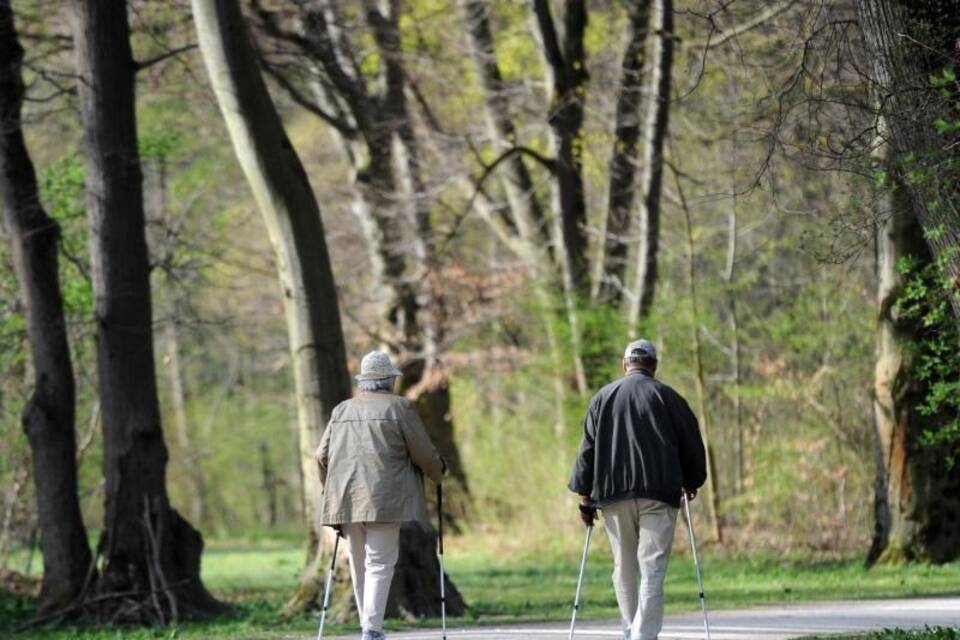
pixel 528 220
pixel 713 498
pixel 651 179
pixel 395 191
pixel 147 547
pixel 907 42
pixel 282 192
pixel 48 418
pixel 917 500
pixel 189 460
pixel 525 206
pixel 729 278
pixel 566 61
pixel 624 159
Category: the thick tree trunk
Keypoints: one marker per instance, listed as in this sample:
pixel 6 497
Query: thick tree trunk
pixel 651 179
pixel 292 216
pixel 147 547
pixel 48 418
pixel 424 379
pixel 609 285
pixel 917 507
pixel 907 42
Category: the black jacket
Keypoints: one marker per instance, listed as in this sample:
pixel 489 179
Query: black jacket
pixel 640 440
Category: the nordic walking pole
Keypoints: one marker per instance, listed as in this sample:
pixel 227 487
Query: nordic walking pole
pixel 583 565
pixel 443 593
pixel 326 591
pixel 696 564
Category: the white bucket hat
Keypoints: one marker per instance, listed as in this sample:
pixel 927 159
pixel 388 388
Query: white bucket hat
pixel 376 365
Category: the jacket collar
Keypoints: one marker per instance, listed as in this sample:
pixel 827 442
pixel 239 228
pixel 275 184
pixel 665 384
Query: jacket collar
pixel 374 394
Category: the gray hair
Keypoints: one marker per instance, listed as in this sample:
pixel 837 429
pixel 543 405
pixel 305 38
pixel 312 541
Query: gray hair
pixel 642 362
pixel 383 384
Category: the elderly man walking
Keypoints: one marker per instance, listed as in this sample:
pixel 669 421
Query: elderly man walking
pixel 372 456
pixel 641 449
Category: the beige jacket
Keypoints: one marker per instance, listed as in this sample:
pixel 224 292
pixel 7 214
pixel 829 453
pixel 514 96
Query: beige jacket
pixel 372 457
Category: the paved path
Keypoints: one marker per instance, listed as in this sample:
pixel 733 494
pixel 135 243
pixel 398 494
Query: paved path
pixel 768 623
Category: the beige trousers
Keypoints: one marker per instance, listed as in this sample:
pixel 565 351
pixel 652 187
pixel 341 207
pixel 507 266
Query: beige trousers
pixel 641 534
pixel 374 548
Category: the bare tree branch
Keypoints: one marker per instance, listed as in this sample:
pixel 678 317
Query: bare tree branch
pixel 149 62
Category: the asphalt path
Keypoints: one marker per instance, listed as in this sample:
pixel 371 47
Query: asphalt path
pixel 765 623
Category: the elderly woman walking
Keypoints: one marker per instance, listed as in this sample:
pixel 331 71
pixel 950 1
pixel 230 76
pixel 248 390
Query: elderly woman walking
pixel 372 457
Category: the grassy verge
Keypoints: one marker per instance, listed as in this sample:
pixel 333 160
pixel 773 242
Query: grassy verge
pixel 502 584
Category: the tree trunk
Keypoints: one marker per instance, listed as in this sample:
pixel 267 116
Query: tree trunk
pixel 525 206
pixel 48 418
pixel 729 278
pixel 391 203
pixel 292 216
pixel 147 547
pixel 268 481
pixel 527 219
pixel 917 506
pixel 907 43
pixel 624 160
pixel 421 332
pixel 651 180
pixel 566 61
pixel 189 459
pixel 713 499
pixel 189 447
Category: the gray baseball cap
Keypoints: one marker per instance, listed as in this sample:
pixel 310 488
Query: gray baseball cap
pixel 376 365
pixel 640 349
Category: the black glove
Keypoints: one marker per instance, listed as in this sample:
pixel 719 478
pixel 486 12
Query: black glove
pixel 588 514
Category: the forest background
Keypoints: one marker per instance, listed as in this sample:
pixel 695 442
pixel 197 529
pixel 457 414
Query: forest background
pixel 759 168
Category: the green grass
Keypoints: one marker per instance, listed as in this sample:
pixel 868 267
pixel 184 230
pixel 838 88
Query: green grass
pixel 502 584
pixel 540 586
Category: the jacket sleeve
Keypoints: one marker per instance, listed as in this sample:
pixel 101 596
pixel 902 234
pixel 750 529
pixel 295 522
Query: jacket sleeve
pixel 323 452
pixel 693 457
pixel 582 480
pixel 419 446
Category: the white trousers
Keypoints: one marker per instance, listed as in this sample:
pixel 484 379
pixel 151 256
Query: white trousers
pixel 641 534
pixel 374 548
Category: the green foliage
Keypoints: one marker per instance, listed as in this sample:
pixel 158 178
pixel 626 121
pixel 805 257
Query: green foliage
pixel 159 145
pixel 62 192
pixel 924 301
